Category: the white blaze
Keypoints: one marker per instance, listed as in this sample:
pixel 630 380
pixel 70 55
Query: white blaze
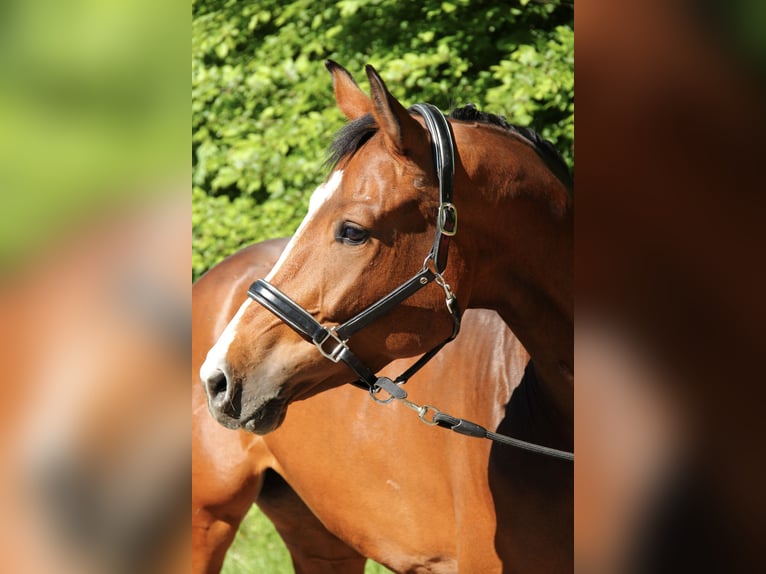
pixel 320 196
pixel 216 357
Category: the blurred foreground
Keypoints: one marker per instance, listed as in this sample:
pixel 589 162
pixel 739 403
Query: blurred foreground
pixel 95 441
pixel 94 294
pixel 670 279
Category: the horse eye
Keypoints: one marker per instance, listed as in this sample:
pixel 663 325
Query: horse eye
pixel 352 234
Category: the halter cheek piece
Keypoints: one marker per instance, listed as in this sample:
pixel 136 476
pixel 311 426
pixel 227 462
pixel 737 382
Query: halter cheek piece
pixel 331 341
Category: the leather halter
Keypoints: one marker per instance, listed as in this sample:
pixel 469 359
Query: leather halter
pixel 434 265
pixel 331 341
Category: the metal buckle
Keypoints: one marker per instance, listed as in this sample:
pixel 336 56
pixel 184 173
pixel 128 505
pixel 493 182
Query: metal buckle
pixel 448 219
pixel 333 355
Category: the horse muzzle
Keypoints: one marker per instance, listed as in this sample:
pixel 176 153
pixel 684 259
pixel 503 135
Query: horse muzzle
pixel 230 409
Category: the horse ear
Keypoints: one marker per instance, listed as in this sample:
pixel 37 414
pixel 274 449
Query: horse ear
pixel 352 101
pixel 401 130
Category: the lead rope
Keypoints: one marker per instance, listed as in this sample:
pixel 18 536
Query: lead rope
pixel 458 425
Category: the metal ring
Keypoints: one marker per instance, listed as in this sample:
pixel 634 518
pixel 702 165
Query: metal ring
pixel 429 264
pixel 374 391
pixel 423 411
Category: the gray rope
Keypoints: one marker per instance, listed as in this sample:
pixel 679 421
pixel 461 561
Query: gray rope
pixel 465 427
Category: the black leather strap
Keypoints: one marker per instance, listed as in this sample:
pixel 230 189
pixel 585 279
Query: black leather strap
pixel 287 310
pixel 444 159
pixel 469 428
pixel 386 304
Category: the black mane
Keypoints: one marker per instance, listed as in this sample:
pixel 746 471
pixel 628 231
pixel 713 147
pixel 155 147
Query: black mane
pixel 545 149
pixel 351 137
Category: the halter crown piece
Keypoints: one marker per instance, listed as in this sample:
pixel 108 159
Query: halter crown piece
pixel 332 341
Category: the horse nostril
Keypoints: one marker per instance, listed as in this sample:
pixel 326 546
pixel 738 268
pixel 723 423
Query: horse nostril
pixel 216 385
pixel 219 384
pixel 224 396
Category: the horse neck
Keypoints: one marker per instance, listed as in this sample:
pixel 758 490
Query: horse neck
pixel 536 310
pixel 520 233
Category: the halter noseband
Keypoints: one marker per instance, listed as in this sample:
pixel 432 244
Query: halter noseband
pixel 331 341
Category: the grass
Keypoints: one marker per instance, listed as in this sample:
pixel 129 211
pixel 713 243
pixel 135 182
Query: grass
pixel 258 548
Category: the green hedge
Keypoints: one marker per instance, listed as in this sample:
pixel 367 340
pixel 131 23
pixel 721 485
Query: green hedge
pixel 262 106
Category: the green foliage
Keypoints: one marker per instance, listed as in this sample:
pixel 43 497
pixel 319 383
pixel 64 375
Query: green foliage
pixel 89 115
pixel 257 547
pixel 262 106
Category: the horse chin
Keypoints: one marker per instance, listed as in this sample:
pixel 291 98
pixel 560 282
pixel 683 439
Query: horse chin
pixel 267 418
pixel 223 419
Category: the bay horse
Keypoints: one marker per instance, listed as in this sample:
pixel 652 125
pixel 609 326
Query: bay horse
pixel 384 206
pixel 231 469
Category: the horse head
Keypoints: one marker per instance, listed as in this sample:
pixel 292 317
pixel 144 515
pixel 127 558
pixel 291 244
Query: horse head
pixel 375 230
pixel 367 230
